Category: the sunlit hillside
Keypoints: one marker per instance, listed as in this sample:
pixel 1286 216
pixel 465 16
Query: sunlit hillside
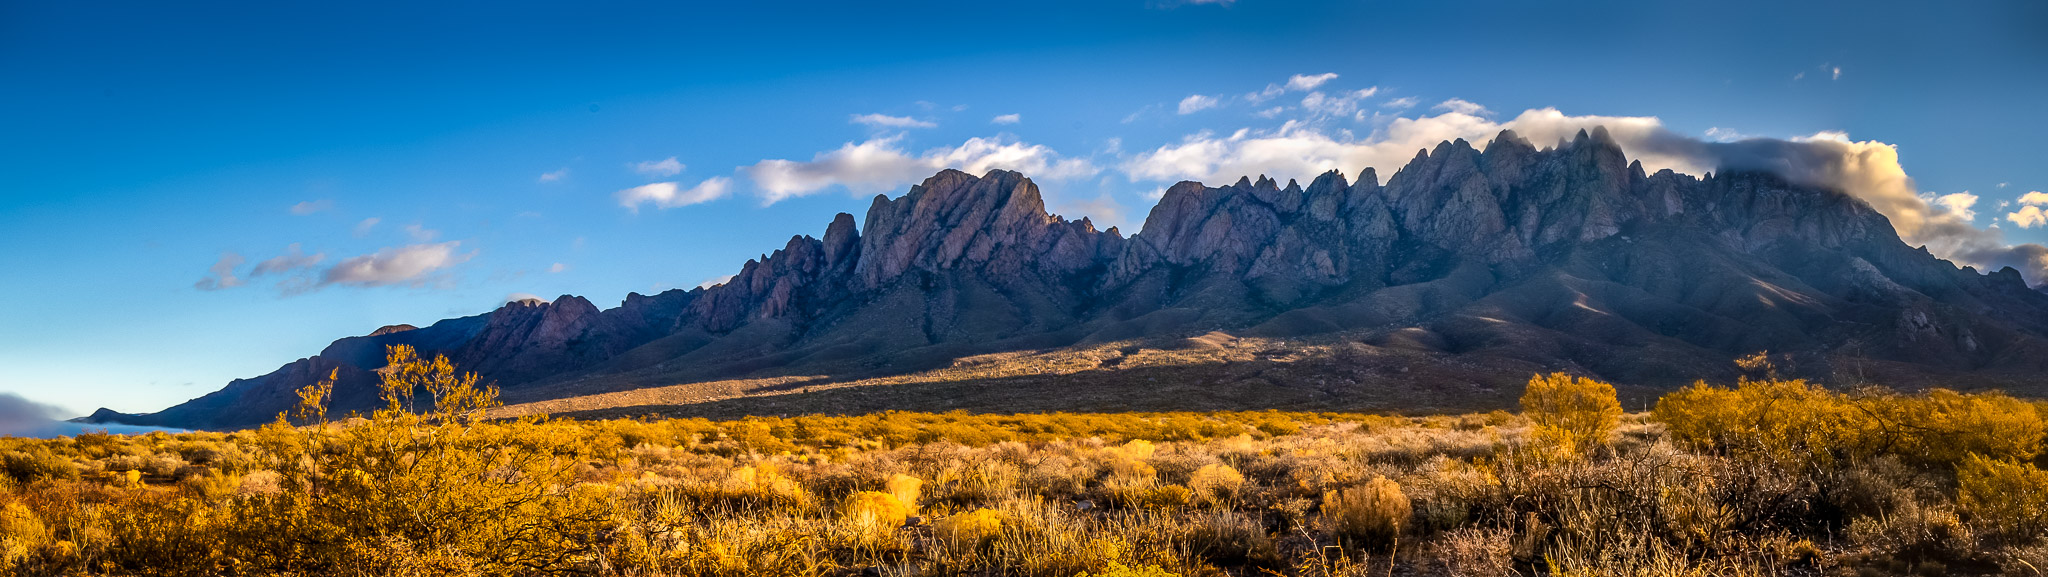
pixel 1769 477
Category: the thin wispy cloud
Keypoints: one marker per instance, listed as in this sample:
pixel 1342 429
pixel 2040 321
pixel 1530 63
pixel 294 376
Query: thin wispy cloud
pixel 886 121
pixel 363 228
pixel 659 168
pixel 1196 103
pixel 421 233
pixel 556 175
pixel 1401 103
pixel 293 259
pixel 1007 119
pixel 413 265
pixel 1301 82
pixel 222 274
pixel 312 206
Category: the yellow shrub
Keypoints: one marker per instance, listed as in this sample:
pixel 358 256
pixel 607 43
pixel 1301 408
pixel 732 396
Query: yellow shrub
pixel 1575 412
pixel 1215 483
pixel 1377 511
pixel 874 509
pixel 1116 569
pixel 972 529
pixel 1167 497
pixel 906 490
pixel 2009 498
pixel 1794 422
pixel 1944 428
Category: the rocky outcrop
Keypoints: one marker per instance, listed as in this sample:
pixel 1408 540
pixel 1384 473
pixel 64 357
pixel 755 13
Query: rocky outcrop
pixel 1565 257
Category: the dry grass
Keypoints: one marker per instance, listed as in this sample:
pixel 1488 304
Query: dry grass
pixel 1057 495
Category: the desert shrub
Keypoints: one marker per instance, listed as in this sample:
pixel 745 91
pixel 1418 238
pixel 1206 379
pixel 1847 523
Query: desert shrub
pixel 875 510
pixel 2010 499
pixel 1788 422
pixel 1116 569
pixel 1798 424
pixel 38 464
pixel 1575 413
pixel 1375 512
pixel 1475 551
pixel 1215 483
pixel 972 529
pixel 1944 428
pixel 21 534
pixel 906 489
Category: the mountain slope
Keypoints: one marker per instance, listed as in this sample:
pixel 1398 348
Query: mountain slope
pixel 1446 286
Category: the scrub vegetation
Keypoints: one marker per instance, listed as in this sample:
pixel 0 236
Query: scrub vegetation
pixel 1764 477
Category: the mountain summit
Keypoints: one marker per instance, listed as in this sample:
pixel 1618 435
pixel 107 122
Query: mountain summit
pixel 1444 287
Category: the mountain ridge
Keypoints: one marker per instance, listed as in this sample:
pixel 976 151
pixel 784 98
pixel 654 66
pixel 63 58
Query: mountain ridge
pixel 1486 263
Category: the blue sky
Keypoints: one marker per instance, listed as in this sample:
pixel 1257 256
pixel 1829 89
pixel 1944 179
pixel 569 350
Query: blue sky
pixel 437 159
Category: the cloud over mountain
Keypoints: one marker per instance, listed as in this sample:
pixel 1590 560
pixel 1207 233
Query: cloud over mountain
pixel 882 164
pixel 404 265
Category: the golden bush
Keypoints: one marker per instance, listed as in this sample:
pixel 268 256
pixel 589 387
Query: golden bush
pixel 875 509
pixel 1215 483
pixel 1376 511
pixel 1116 569
pixel 906 489
pixel 1576 413
pixel 2009 498
pixel 973 528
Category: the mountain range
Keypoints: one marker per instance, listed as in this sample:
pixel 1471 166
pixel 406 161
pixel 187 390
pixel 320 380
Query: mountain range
pixel 1443 287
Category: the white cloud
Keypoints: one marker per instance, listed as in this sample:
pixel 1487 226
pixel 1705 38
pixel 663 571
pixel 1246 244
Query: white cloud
pixel 1838 73
pixel 557 268
pixel 1341 104
pixel 659 168
pixel 668 195
pixel 312 206
pixel 558 174
pixel 881 164
pixel 363 228
pixel 1402 103
pixel 1958 204
pixel 292 259
pixel 516 297
pixel 2003 184
pixel 1272 91
pixel 222 274
pixel 1718 134
pixel 715 281
pixel 1461 106
pixel 1196 103
pixel 2029 216
pixel 1300 82
pixel 421 233
pixel 2034 197
pixel 1799 76
pixel 886 121
pixel 1008 119
pixel 413 265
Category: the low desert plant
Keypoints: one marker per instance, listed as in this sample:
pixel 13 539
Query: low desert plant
pixel 1571 413
pixel 1375 512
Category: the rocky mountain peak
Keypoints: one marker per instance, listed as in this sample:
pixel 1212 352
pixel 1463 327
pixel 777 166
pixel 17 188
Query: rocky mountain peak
pixel 953 219
pixel 1480 263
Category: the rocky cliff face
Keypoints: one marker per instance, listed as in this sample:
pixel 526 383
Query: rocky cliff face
pixel 1567 258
